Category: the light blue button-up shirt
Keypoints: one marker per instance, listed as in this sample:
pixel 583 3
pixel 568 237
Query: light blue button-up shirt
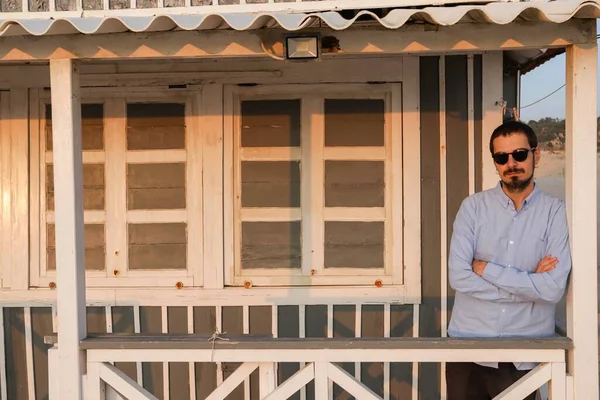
pixel 510 299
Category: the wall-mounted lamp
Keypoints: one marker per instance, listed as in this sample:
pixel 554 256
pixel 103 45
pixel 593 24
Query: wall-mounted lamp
pixel 301 47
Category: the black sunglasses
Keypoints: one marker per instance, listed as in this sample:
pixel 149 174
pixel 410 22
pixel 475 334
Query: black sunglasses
pixel 518 155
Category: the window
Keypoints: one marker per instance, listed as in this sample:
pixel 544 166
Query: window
pixel 142 187
pixel 317 185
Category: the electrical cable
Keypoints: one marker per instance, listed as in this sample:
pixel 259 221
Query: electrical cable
pixel 543 98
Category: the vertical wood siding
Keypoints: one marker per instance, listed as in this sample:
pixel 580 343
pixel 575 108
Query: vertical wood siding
pixel 430 308
pixel 393 381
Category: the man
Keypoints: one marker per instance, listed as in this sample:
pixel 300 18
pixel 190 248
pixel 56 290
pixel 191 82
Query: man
pixel 509 263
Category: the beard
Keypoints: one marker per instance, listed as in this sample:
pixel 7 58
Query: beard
pixel 514 184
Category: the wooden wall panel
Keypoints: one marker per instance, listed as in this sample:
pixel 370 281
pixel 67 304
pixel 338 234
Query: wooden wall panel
pixel 457 145
pixel 16 367
pixel 41 325
pixel 151 322
pixel 260 323
pixel 371 374
pixel 315 326
pixel 288 327
pixel 344 323
pixel 233 325
pixel 122 322
pixel 179 372
pixel 401 379
pixel 478 111
pixel 429 315
pixel 206 373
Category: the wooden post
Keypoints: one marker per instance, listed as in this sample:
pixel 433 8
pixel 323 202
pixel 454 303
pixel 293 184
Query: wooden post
pixel 492 113
pixel 70 270
pixel 581 142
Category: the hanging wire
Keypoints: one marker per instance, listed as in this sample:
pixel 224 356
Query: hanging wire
pixel 544 98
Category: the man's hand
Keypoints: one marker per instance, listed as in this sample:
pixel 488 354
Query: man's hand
pixel 546 264
pixel 479 266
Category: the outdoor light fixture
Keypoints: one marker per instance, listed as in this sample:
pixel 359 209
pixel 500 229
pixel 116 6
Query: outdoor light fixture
pixel 302 47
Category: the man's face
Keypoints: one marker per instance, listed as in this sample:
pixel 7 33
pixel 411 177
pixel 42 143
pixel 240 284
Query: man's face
pixel 516 175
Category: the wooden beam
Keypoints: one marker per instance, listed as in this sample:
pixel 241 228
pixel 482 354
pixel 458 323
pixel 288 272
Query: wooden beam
pixel 413 39
pixel 121 383
pixel 19 187
pixel 70 261
pixel 292 384
pixel 211 106
pixel 581 183
pixel 527 384
pixel 233 381
pixel 350 384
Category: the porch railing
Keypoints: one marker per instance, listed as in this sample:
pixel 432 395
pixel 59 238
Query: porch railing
pixel 318 357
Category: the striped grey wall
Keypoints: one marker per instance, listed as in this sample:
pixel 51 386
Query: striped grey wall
pixel 260 322
pixel 457 184
pixel 430 309
pixel 372 325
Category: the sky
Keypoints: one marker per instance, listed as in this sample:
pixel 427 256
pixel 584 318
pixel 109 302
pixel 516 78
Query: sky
pixel 542 81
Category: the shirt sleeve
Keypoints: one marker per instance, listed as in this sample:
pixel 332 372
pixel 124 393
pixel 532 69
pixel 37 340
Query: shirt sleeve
pixel 462 249
pixel 547 287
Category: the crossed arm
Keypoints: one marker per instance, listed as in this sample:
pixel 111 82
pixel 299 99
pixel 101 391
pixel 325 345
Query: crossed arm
pixel 488 281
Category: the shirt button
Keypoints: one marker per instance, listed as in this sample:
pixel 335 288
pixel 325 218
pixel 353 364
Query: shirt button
pixel 503 310
pixel 508 265
pixel 511 242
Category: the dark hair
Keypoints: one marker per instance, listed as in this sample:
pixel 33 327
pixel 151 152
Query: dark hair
pixel 511 128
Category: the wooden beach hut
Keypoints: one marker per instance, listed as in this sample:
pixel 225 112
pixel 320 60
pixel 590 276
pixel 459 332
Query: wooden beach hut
pixel 254 198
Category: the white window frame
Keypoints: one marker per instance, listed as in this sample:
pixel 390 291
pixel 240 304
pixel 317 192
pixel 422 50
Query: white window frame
pixel 115 216
pixel 313 273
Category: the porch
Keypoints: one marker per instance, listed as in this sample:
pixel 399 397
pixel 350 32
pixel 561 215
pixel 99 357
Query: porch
pixel 320 360
pixel 201 317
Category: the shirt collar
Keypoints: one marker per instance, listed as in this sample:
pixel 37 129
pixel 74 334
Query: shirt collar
pixel 506 202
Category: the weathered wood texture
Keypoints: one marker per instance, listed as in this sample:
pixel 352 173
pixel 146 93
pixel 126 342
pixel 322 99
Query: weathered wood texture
pixel 151 323
pixel 94 187
pixel 401 374
pixel 93 4
pixel 478 111
pixel 14 340
pixel 344 323
pixel 119 4
pixel 354 244
pixel 233 323
pixel 39 5
pixel 155 126
pixel 11 5
pixel 270 123
pixel 179 373
pixel 41 325
pixel 156 186
pixel 92 127
pixel 157 246
pixel 354 183
pixel 259 323
pixel 94 243
pixel 206 373
pixel 271 244
pixel 429 310
pixel 66 5
pixel 457 145
pixel 270 183
pixel 123 322
pixel 354 122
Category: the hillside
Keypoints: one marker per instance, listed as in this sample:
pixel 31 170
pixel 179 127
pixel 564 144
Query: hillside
pixel 551 133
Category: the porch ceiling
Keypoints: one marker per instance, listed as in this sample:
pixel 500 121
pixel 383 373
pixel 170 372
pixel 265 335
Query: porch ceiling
pixel 116 21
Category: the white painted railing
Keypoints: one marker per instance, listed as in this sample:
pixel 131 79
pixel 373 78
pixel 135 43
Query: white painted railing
pixel 319 357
